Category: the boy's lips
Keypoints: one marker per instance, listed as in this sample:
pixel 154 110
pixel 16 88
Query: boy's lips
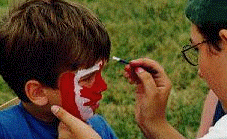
pixel 95 98
pixel 95 106
pixel 92 103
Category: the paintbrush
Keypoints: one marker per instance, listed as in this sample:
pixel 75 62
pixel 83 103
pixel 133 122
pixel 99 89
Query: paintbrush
pixel 120 60
pixel 126 62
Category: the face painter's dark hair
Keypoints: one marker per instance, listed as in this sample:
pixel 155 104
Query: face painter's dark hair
pixel 43 38
pixel 210 17
pixel 210 33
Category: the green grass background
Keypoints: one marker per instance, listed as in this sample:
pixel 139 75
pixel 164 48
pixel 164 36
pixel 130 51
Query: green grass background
pixel 144 28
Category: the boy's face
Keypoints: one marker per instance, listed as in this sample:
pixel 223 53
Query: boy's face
pixel 80 91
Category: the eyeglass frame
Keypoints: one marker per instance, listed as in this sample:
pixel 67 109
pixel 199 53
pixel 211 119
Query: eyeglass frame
pixel 191 46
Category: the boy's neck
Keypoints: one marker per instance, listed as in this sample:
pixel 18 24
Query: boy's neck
pixel 41 113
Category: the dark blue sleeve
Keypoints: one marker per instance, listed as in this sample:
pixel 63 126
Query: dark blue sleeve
pixel 99 124
pixel 3 133
pixel 219 112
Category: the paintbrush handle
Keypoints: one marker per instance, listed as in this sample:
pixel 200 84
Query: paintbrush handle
pixel 124 61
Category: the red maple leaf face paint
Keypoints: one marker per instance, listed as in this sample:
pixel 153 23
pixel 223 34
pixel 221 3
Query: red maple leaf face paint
pixel 78 100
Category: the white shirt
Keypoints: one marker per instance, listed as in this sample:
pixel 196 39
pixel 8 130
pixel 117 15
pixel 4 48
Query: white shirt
pixel 219 130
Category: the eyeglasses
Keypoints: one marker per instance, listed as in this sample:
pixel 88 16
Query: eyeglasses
pixel 191 53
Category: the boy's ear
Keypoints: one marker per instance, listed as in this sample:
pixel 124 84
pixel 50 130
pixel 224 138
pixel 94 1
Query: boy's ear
pixel 36 93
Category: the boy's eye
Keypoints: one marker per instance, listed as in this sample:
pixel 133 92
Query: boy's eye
pixel 88 77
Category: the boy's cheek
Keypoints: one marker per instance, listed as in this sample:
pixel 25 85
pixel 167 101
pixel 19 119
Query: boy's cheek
pixel 55 98
pixel 59 98
pixel 67 93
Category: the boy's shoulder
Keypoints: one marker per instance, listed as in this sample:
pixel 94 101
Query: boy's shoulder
pixel 11 121
pixel 100 125
pixel 10 113
pixel 16 122
pixel 11 116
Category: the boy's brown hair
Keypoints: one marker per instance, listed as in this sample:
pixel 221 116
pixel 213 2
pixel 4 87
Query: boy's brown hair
pixel 43 38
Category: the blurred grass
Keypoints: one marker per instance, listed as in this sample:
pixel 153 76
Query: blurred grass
pixel 144 28
pixel 5 92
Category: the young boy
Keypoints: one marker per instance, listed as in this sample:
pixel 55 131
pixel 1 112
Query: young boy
pixel 42 42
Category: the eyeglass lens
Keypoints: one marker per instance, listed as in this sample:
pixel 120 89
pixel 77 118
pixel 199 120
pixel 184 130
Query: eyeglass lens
pixel 192 55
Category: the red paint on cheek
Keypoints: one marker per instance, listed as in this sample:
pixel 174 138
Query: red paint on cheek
pixel 67 94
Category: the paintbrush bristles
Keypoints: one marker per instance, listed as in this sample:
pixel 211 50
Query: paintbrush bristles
pixel 120 60
pixel 116 58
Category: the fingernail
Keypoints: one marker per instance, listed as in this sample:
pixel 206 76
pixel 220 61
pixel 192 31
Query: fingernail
pixel 133 61
pixel 55 109
pixel 139 70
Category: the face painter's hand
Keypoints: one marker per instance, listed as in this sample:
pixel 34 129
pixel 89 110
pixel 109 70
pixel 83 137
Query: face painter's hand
pixel 72 127
pixel 152 91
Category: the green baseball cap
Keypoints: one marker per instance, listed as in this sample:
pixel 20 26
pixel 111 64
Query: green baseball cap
pixel 207 11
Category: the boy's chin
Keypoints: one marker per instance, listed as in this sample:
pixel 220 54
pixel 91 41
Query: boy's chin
pixel 94 107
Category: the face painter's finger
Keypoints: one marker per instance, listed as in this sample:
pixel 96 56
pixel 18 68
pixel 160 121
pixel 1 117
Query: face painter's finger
pixel 131 71
pixel 75 125
pixel 147 64
pixel 60 113
pixel 64 116
pixel 126 75
pixel 127 68
pixel 130 80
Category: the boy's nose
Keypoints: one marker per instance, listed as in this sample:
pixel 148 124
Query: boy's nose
pixel 103 85
pixel 100 83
